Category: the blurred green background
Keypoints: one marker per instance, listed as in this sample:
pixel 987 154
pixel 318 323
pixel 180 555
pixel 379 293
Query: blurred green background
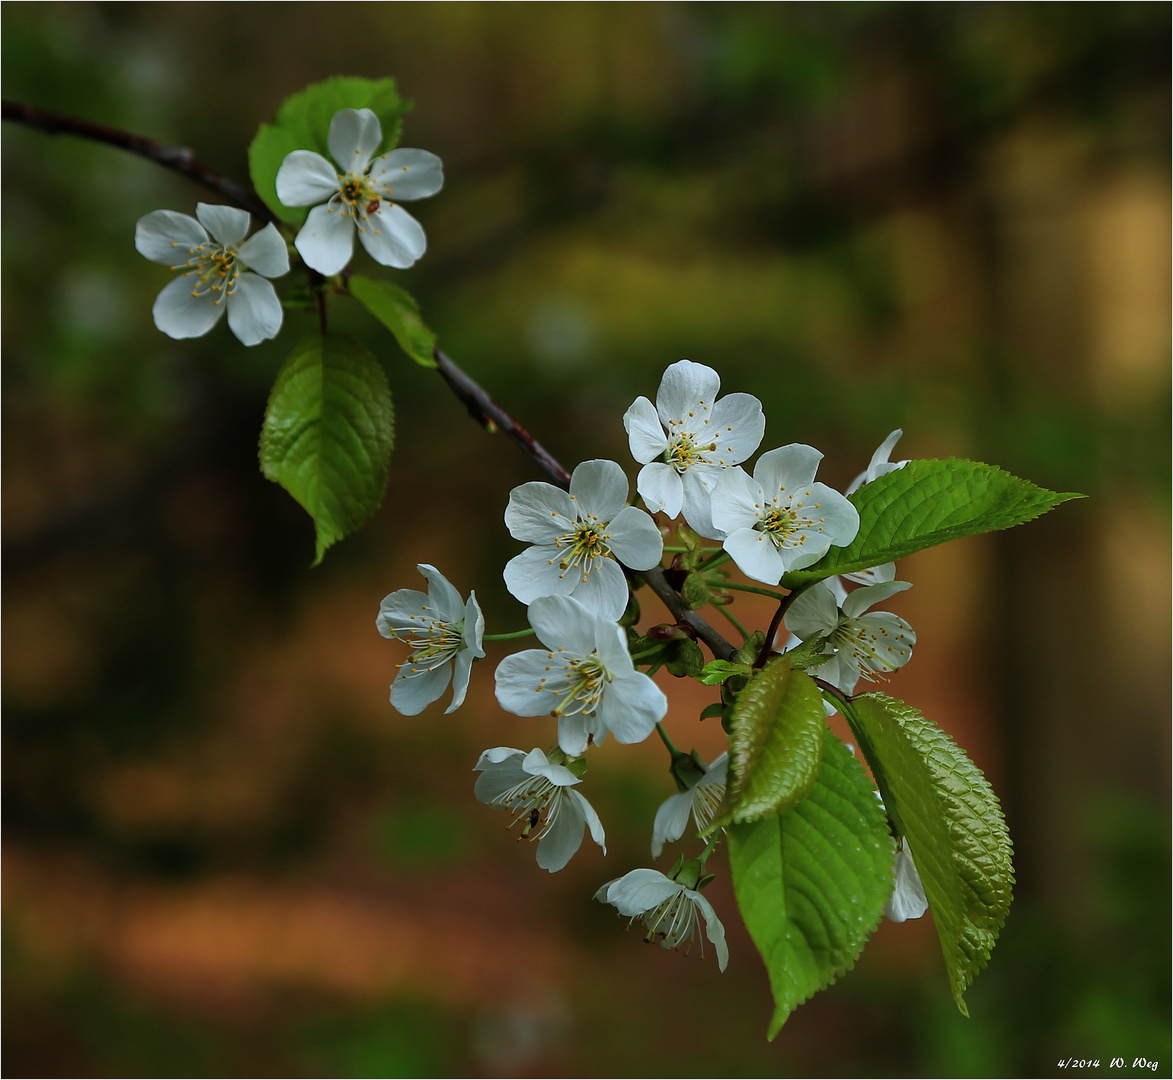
pixel 226 855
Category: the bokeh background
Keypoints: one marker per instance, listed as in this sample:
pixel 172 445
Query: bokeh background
pixel 225 855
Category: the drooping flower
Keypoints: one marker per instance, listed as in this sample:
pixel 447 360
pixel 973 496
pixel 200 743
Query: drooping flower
pixel 214 257
pixel 541 794
pixel 667 907
pixel 880 465
pixel 360 193
pixel 701 800
pixel 688 439
pixel 444 633
pixel 584 677
pixel 908 894
pixel 861 645
pixel 575 534
pixel 780 519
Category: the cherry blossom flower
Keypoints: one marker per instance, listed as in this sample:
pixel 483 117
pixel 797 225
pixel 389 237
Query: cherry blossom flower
pixel 577 537
pixel 444 633
pixel 362 194
pixel 584 677
pixel 214 256
pixel 688 439
pixel 669 909
pixel 701 801
pixel 781 519
pixel 862 646
pixel 541 794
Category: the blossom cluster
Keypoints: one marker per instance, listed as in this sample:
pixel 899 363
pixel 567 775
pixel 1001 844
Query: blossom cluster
pixel 585 544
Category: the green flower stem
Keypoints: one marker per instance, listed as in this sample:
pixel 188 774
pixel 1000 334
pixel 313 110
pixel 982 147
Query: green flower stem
pixel 753 589
pixel 724 609
pixel 714 561
pixel 509 637
pixel 775 622
pixel 682 550
pixel 673 749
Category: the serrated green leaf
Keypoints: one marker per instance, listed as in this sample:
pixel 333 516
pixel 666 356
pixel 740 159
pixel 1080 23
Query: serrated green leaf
pixel 328 433
pixel 775 739
pixel 928 503
pixel 303 123
pixel 940 801
pixel 397 310
pixel 716 672
pixel 811 883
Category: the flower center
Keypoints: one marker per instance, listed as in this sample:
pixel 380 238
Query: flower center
pixel 674 921
pixel 706 798
pixel 586 679
pixel 216 270
pixel 537 801
pixel 433 645
pixel 683 452
pixel 778 523
pixel 586 543
pixel 870 650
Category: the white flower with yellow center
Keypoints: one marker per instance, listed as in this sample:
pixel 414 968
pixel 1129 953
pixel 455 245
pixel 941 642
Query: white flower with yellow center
pixel 214 257
pixel 701 800
pixel 668 908
pixel 866 646
pixel 584 677
pixel 540 792
pixel 780 519
pixel 444 634
pixel 688 439
pixel 577 537
pixel 362 194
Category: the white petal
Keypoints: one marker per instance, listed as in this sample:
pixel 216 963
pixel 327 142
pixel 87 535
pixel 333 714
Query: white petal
pixel 326 240
pixel 611 646
pixel 645 434
pixel 602 591
pixel 635 539
pixel 537 572
pixel 787 468
pixel 592 820
pixel 402 611
pixel 716 773
pixel 908 896
pixel 411 694
pixel 641 890
pixel 537 764
pixel 737 501
pixel 572 734
pixel 755 555
pixel 737 424
pixel 265 252
pixel 874 575
pixel 442 594
pixel 660 488
pixel 862 599
pixel 517 679
pixel 838 519
pixel 686 385
pixel 392 237
pixel 563 837
pixel 227 224
pixel 500 770
pixel 885 636
pixel 180 315
pixel 714 930
pixel 671 821
pixel 408 174
pixel 599 489
pixel 168 237
pixel 474 626
pixel 461 671
pixel 698 484
pixel 561 622
pixel 306 179
pixel 631 707
pixel 539 513
pixel 254 312
pixel 354 137
pixel 813 612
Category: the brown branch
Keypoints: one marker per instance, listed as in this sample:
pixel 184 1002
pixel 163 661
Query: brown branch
pixel 177 158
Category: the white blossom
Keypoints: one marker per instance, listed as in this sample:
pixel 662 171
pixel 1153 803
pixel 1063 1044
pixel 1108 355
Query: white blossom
pixel 584 677
pixel 861 645
pixel 577 536
pixel 669 910
pixel 541 794
pixel 880 465
pixel 362 194
pixel 701 801
pixel 215 259
pixel 688 439
pixel 445 634
pixel 781 519
pixel 908 894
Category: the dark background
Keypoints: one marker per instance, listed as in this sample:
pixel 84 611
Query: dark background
pixel 226 855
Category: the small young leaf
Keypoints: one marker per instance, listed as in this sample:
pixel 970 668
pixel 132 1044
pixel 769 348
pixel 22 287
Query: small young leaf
pixel 397 310
pixel 942 803
pixel 303 123
pixel 695 591
pixel 775 740
pixel 927 503
pixel 716 709
pixel 685 659
pixel 812 882
pixel 716 672
pixel 328 433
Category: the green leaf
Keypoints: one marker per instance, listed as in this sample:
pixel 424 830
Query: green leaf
pixel 328 432
pixel 927 503
pixel 303 123
pixel 716 672
pixel 685 659
pixel 695 591
pixel 812 882
pixel 397 310
pixel 940 801
pixel 775 739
